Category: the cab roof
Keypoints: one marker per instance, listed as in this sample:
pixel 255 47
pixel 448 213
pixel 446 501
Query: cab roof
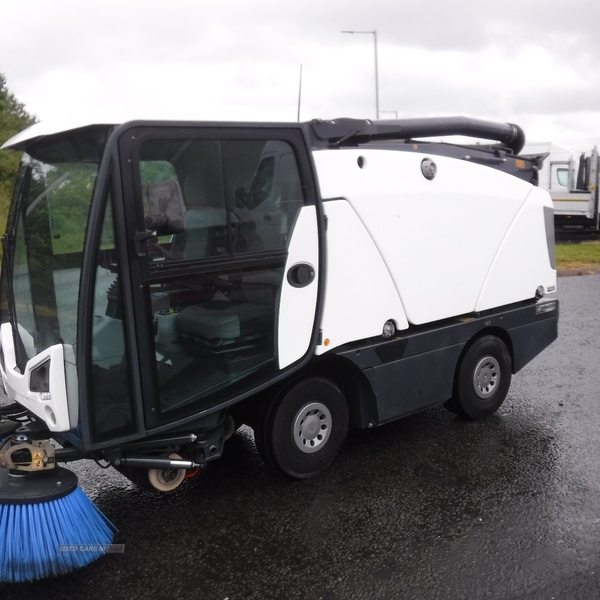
pixel 21 140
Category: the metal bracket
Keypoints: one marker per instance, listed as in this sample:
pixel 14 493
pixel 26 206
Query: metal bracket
pixel 37 455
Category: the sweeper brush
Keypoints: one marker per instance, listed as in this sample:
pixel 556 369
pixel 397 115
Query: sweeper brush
pixel 48 526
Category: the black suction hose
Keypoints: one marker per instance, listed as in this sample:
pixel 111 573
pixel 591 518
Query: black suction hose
pixel 339 131
pixel 510 135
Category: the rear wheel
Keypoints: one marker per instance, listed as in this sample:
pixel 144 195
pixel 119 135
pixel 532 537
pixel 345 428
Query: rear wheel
pixel 303 427
pixel 482 380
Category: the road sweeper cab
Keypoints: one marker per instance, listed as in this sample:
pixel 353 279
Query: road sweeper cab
pixel 165 282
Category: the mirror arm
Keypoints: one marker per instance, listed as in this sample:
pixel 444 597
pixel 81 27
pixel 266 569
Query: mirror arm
pixel 141 237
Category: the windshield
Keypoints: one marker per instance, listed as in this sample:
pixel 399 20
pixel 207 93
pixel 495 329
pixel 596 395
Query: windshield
pixel 46 239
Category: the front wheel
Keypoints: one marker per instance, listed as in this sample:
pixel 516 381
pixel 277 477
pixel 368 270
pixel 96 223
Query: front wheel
pixel 482 380
pixel 302 429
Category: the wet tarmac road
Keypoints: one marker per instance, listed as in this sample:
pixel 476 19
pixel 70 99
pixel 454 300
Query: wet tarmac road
pixel 428 507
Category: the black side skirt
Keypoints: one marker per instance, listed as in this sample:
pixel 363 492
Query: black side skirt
pixel 416 369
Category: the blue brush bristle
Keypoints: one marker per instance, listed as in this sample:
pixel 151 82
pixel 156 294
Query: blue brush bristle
pixel 31 536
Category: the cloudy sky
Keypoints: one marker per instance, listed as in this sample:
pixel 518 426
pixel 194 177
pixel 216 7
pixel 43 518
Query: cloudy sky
pixel 534 63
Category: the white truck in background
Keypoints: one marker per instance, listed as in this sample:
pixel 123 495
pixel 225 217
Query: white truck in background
pixel 571 178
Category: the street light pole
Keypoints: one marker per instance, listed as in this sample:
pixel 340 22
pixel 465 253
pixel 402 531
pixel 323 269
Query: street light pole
pixel 299 93
pixel 374 34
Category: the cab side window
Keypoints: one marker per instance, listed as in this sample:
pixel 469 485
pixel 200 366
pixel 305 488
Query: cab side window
pixel 268 193
pixel 563 177
pixel 218 198
pixel 222 212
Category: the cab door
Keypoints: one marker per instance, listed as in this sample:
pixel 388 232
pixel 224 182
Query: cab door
pixel 225 230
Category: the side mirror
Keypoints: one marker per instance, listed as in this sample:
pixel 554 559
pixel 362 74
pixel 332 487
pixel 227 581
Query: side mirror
pixel 165 207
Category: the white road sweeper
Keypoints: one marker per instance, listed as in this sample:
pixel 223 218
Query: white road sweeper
pixel 165 282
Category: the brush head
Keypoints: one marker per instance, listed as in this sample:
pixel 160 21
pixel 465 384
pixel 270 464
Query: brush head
pixel 48 526
pixel 33 488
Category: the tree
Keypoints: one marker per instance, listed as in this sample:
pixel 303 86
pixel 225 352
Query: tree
pixel 13 118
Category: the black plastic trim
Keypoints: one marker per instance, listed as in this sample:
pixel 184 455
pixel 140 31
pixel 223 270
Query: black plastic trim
pixel 400 371
pixel 108 175
pixel 549 223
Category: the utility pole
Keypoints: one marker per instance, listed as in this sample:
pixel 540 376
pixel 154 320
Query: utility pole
pixel 299 93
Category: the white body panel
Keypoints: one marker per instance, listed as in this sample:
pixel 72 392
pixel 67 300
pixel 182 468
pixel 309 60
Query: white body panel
pixel 55 410
pixel 51 127
pixel 439 239
pixel 359 295
pixel 519 267
pixel 297 306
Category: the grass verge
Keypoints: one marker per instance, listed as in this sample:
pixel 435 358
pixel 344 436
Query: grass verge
pixel 578 256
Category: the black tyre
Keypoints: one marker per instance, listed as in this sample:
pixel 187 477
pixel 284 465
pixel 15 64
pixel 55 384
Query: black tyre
pixel 303 427
pixel 482 379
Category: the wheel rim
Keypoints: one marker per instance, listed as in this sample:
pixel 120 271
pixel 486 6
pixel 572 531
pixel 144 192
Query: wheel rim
pixel 312 427
pixel 166 480
pixel 168 476
pixel 486 377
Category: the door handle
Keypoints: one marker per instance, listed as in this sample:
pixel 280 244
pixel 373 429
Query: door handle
pixel 301 275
